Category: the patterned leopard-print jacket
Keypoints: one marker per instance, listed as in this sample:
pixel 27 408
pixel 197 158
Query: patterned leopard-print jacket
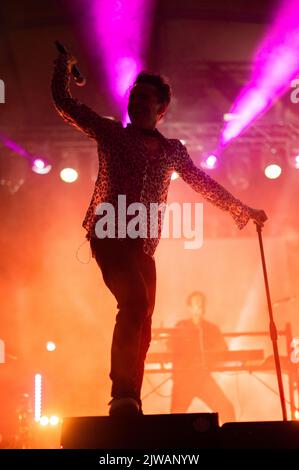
pixel 126 167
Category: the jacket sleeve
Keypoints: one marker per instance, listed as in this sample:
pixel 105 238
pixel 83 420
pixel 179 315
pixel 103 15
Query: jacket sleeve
pixel 208 187
pixel 71 110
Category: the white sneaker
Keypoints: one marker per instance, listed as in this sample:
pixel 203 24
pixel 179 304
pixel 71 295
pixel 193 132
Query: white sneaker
pixel 124 407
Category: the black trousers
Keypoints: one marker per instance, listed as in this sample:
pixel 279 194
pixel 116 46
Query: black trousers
pixel 202 385
pixel 130 274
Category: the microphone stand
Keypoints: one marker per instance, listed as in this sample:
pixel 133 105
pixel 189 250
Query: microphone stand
pixel 272 327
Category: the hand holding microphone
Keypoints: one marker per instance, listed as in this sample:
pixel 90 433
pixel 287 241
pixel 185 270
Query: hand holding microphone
pixel 78 77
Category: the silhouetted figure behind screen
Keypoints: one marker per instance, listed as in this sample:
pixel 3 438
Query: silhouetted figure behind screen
pixel 191 343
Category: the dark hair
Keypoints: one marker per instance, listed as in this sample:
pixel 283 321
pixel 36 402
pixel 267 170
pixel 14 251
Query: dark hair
pixel 162 87
pixel 196 293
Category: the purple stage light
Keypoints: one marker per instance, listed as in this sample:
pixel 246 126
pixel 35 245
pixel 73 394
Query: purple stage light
pixel 121 33
pixel 275 64
pixel 209 162
pixel 11 145
pixel 38 164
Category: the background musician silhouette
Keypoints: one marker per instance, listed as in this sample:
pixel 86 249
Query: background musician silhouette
pixel 193 338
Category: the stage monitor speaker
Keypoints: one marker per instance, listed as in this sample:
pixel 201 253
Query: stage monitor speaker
pixel 260 435
pixel 171 431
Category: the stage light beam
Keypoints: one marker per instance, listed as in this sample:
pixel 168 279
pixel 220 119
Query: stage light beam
pixel 121 32
pixel 275 64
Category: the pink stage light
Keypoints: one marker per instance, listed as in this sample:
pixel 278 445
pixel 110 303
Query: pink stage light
pixel 13 146
pixel 275 65
pixel 38 165
pixel 210 162
pixel 121 33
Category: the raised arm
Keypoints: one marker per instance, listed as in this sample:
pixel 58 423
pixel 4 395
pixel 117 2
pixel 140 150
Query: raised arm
pixel 213 191
pixel 71 110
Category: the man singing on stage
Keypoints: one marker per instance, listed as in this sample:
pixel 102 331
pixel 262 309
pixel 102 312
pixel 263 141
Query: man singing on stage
pixel 136 161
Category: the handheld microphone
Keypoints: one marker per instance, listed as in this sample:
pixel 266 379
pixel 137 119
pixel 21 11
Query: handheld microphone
pixel 78 77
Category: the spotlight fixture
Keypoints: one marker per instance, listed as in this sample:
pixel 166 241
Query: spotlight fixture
pixel 272 163
pixel 209 162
